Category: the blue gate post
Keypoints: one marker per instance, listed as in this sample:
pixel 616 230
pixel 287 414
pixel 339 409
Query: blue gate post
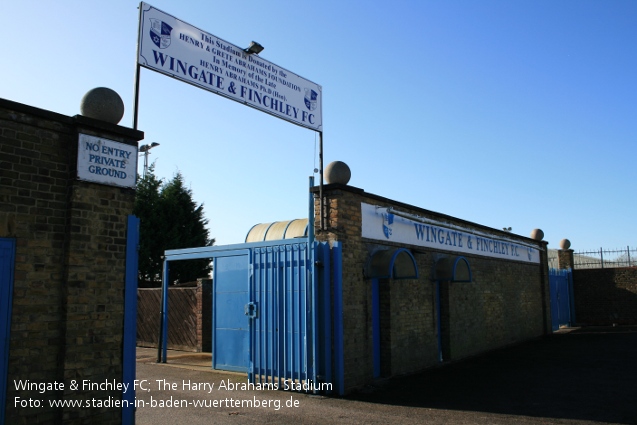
pixel 325 311
pixel 339 356
pixel 7 260
pixel 313 280
pixel 130 320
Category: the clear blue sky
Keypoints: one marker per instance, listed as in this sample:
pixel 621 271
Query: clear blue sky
pixel 504 113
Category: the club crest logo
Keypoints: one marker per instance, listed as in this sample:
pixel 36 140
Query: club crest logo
pixel 160 33
pixel 311 99
pixel 388 220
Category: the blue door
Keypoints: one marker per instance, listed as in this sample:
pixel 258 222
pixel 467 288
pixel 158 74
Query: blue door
pixel 560 282
pixel 231 327
pixel 7 258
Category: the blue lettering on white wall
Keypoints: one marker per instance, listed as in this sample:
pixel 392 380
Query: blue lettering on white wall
pixel 444 236
pixel 101 171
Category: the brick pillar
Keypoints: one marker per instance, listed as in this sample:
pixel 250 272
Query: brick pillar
pixel 94 284
pixel 68 298
pixel 565 259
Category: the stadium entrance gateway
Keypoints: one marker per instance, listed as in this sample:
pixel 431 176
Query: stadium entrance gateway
pixel 393 289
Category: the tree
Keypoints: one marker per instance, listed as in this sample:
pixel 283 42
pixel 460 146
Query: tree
pixel 148 207
pixel 169 219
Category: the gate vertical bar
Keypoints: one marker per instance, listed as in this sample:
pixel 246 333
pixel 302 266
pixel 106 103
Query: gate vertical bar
pixel 272 326
pixel 252 321
pixel 302 314
pixel 263 325
pixel 311 267
pixel 277 337
pixel 315 310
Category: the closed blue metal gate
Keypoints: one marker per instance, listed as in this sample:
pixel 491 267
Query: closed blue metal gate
pixel 7 259
pixel 281 337
pixel 272 311
pixel 561 287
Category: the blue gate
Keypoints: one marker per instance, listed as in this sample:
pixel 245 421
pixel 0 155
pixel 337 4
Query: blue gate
pixel 230 324
pixel 7 259
pixel 561 288
pixel 272 311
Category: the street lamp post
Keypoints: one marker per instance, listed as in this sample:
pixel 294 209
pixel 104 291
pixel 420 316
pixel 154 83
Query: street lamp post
pixel 144 149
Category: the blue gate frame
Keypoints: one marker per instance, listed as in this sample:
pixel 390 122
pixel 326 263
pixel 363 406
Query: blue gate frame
pixel 130 319
pixel 562 305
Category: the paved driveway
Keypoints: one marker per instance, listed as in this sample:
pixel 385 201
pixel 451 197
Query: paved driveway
pixel 578 376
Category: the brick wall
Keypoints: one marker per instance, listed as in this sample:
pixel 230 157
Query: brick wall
pixel 505 303
pixel 605 296
pixel 501 306
pixel 67 318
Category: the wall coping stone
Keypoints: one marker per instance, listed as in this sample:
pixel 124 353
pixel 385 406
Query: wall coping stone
pixel 337 186
pixel 77 120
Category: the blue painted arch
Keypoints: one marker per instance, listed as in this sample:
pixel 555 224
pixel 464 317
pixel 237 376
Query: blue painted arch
pixel 398 263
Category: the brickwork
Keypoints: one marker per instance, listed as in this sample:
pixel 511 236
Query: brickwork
pixel 565 259
pixel 605 296
pixel 67 317
pixel 501 306
pixel 505 303
pixel 413 326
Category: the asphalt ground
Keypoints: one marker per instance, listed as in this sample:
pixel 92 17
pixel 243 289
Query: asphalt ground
pixel 575 376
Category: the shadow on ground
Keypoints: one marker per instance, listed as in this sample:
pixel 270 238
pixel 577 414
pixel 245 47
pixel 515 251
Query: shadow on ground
pixel 586 374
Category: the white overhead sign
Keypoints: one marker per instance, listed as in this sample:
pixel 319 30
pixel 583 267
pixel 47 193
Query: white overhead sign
pixel 380 224
pixel 179 50
pixel 106 161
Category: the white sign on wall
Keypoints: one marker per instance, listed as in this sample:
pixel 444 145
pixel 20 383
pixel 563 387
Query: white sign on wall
pixel 380 224
pixel 177 49
pixel 106 161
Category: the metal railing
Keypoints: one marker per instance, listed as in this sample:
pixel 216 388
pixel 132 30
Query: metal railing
pixel 601 258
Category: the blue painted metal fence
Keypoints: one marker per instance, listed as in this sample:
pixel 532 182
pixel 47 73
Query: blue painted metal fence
pixel 290 336
pixel 562 306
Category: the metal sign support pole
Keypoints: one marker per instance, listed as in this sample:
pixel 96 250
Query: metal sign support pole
pixel 137 70
pixel 321 202
pixel 136 98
